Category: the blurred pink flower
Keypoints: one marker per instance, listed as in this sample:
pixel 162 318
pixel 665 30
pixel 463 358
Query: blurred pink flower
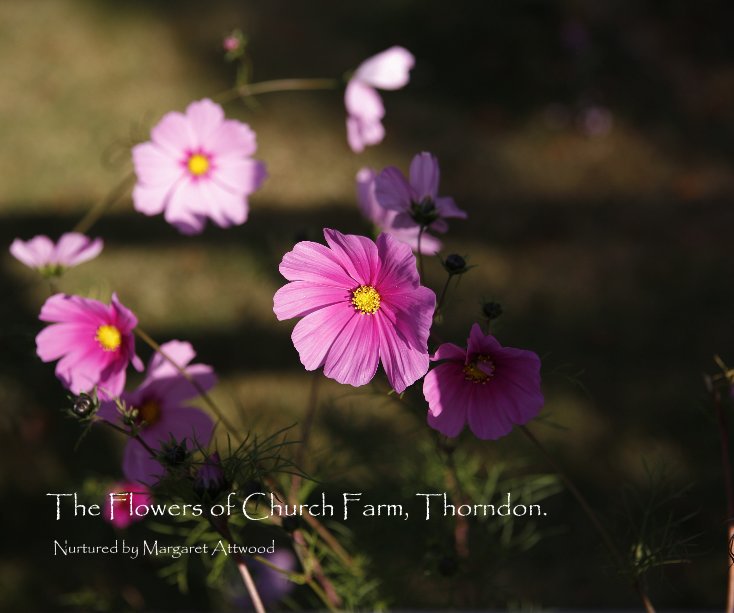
pixel 94 341
pixel 384 219
pixel 386 70
pixel 117 508
pixel 231 43
pixel 51 259
pixel 361 303
pixel 415 199
pixel 162 416
pixel 489 386
pixel 195 166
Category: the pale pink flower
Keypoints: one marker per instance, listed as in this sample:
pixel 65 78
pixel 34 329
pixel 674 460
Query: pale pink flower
pixel 197 165
pixel 117 507
pixel 384 219
pixel 231 43
pixel 52 258
pixel 415 199
pixel 486 385
pixel 387 70
pixel 162 414
pixel 93 342
pixel 361 303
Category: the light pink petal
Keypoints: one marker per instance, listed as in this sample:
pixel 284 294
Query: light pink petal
pixel 398 271
pixel 57 340
pixel 81 370
pixel 205 118
pixel 447 208
pixel 112 381
pixel 430 245
pixel 156 166
pixel 424 176
pixel 173 133
pixel 182 206
pixel 159 367
pixel 221 205
pixel 356 254
pixel 411 314
pixel 152 200
pixel 387 70
pixel 447 395
pixel 363 102
pixel 488 412
pixel 354 355
pixel 232 139
pixel 313 262
pixel 74 248
pixel 403 363
pixel 314 335
pixel 36 253
pixel 363 133
pixel 73 309
pixel 368 205
pixel 240 176
pixel 300 298
pixel 392 190
pixel 124 318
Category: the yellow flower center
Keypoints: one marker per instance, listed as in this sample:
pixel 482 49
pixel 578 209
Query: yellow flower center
pixel 473 373
pixel 198 164
pixel 108 337
pixel 366 299
pixel 150 412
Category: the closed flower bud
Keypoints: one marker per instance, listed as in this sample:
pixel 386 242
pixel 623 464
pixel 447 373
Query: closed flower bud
pixel 84 405
pixel 492 310
pixel 210 480
pixel 455 264
pixel 173 454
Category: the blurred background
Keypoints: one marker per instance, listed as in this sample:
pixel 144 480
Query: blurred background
pixel 591 144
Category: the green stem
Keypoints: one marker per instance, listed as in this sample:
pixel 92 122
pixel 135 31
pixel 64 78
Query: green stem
pixel 276 85
pixel 443 296
pixel 95 213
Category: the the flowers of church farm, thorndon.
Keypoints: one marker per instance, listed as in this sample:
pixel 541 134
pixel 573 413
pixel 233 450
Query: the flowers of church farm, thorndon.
pixel 93 342
pixel 361 302
pixel 487 385
pixel 161 414
pixel 196 166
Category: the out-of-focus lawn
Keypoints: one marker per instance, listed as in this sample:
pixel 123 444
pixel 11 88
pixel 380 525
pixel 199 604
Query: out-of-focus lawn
pixel 591 149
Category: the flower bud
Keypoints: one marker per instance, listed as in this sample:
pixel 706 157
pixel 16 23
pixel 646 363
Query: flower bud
pixel 84 405
pixel 210 480
pixel 455 264
pixel 173 454
pixel 492 310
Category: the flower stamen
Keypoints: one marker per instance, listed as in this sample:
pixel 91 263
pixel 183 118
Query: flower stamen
pixel 150 412
pixel 475 374
pixel 198 164
pixel 366 299
pixel 108 337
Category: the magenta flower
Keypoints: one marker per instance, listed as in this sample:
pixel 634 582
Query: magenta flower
pixel 161 415
pixel 416 198
pixel 52 259
pixel 93 342
pixel 361 303
pixel 386 70
pixel 195 166
pixel 384 219
pixel 117 507
pixel 487 385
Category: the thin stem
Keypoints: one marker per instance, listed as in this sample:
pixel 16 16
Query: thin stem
pixel 276 85
pixel 461 530
pixel 305 435
pixel 145 337
pixel 442 297
pixel 137 437
pixel 421 230
pixel 95 213
pixel 591 515
pixel 728 488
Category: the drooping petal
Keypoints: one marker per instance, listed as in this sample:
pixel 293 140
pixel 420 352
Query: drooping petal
pixel 299 298
pixel 403 363
pixel 356 254
pixel 313 262
pixel 362 133
pixel 448 396
pixel 363 102
pixel 424 176
pixel 314 335
pixel 387 70
pixel 392 190
pixel 35 253
pixel 74 248
pixel 353 357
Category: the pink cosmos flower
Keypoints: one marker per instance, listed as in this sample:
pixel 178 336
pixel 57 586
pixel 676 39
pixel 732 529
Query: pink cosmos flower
pixel 52 259
pixel 384 219
pixel 117 508
pixel 361 303
pixel 195 166
pixel 487 385
pixel 161 412
pixel 231 43
pixel 416 198
pixel 386 70
pixel 94 342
